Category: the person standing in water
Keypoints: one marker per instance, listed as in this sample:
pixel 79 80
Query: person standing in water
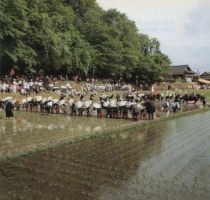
pixel 9 109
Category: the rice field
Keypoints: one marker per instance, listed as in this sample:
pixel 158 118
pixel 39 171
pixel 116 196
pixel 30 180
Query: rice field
pixel 29 131
pixel 165 160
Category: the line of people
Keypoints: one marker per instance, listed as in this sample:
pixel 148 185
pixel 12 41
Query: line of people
pixel 130 105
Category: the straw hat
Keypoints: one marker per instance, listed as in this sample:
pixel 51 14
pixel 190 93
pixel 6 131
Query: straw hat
pixel 49 98
pixel 7 99
pixel 88 103
pixel 71 101
pixel 24 101
pixel 96 105
pixel 44 100
pixel 62 102
pixel 122 103
pixel 38 98
pixel 106 104
pixel 131 104
pixel 113 104
pixel 79 104
pixel 28 99
pixel 55 100
pixel 140 106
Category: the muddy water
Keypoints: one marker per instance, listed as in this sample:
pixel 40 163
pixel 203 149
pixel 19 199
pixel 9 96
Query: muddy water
pixel 29 130
pixel 166 160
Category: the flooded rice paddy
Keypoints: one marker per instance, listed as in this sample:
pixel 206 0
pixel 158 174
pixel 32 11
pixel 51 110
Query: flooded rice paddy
pixel 29 130
pixel 165 160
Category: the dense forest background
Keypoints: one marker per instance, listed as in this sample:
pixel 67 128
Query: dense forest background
pixel 76 38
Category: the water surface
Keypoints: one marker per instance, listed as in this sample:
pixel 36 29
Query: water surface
pixel 165 160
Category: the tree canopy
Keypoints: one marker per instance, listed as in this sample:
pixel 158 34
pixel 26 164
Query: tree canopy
pixel 77 38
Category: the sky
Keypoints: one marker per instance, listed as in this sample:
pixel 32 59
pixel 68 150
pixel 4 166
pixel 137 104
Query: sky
pixel 181 26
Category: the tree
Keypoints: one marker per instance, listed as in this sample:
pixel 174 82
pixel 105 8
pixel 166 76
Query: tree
pixel 78 38
pixel 14 25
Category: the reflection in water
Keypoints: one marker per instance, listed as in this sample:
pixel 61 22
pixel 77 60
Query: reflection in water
pixel 169 160
pixel 29 129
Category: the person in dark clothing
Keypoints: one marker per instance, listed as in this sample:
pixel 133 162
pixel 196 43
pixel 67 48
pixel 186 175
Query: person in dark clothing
pixel 73 109
pixel 118 97
pixel 91 97
pixel 62 96
pixel 99 112
pixel 177 98
pixel 88 111
pixel 203 99
pixel 175 106
pixel 9 109
pixel 125 112
pixel 82 97
pixel 150 109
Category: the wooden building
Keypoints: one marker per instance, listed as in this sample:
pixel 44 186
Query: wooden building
pixel 205 75
pixel 183 72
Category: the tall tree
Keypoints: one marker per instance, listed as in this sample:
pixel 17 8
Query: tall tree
pixel 78 38
pixel 14 25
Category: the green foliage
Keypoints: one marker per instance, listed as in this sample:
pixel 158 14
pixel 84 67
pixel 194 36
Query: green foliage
pixel 78 38
pixel 14 25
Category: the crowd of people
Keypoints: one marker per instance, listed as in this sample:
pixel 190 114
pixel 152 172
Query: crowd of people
pixel 110 106
pixel 26 86
pixel 129 104
pixel 126 105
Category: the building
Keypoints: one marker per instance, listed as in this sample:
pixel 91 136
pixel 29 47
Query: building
pixel 183 72
pixel 205 75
